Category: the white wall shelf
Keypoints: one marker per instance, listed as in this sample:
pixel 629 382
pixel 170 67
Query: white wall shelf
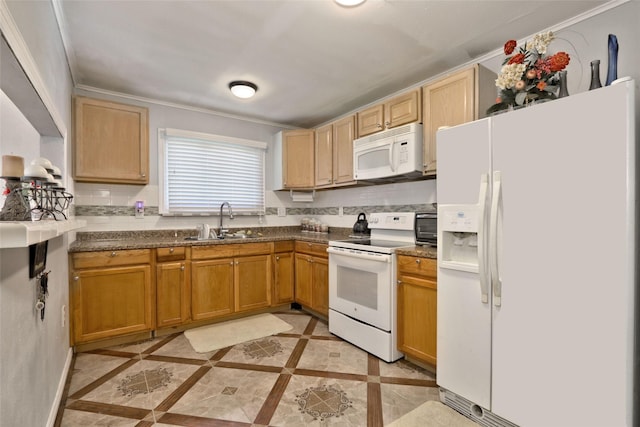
pixel 20 234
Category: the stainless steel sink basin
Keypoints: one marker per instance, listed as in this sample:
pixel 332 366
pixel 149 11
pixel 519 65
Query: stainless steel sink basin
pixel 236 236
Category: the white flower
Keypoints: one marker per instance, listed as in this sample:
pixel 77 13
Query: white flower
pixel 540 42
pixel 510 74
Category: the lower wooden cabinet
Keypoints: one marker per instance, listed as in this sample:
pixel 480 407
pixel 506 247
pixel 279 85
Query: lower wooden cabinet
pixel 283 273
pixel 173 296
pixel 211 288
pixel 112 300
pixel 312 276
pixel 252 282
pixel 417 308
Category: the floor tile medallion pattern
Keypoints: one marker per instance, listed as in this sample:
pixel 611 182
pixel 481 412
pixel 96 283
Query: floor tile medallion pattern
pixel 302 377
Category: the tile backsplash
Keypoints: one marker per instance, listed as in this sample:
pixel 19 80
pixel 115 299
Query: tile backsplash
pixel 108 207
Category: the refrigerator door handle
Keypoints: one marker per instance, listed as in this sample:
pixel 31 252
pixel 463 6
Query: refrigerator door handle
pixel 496 200
pixel 482 256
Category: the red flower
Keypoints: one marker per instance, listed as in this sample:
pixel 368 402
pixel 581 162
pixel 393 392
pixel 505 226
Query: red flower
pixel 6 191
pixel 541 85
pixel 518 58
pixel 509 47
pixel 559 61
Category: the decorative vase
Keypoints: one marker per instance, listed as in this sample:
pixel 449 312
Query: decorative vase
pixel 595 75
pixel 612 67
pixel 563 85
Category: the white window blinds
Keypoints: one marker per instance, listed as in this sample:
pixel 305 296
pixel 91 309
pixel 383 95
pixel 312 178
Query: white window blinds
pixel 198 172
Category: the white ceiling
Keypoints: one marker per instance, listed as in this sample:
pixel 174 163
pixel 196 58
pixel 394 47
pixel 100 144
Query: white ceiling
pixel 311 59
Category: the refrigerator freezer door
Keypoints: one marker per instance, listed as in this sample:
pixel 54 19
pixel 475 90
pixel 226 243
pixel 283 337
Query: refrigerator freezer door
pixel 464 321
pixel 563 336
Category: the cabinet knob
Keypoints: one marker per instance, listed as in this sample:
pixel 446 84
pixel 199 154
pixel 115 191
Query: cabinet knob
pixel 170 250
pixel 399 282
pixel 231 263
pixel 387 124
pixel 143 175
pixel 182 267
pixel 418 261
pixel 76 278
pixel 237 262
pixel 113 254
pixel 277 258
pixel 379 125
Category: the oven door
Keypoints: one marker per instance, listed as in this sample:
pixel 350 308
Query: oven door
pixel 360 286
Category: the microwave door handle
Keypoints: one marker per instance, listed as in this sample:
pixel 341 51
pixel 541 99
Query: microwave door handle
pixel 391 162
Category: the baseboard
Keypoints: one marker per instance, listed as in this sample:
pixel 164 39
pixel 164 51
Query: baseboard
pixel 53 412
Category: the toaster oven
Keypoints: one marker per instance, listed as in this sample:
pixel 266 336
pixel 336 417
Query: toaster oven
pixel 426 228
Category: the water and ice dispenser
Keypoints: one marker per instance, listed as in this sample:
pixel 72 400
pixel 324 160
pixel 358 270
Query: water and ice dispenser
pixel 458 227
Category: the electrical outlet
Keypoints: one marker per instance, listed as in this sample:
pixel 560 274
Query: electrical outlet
pixel 341 211
pixel 282 211
pixel 64 316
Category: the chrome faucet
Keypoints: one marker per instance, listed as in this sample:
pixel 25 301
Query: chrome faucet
pixel 222 231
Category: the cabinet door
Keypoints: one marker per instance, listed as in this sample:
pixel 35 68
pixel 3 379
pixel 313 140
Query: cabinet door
pixel 403 109
pixel 370 120
pixel 252 282
pixel 320 285
pixel 172 294
pixel 448 102
pixel 111 142
pixel 304 279
pixel 211 288
pixel 417 308
pixel 111 302
pixel 297 151
pixel 343 136
pixel 283 278
pixel 324 156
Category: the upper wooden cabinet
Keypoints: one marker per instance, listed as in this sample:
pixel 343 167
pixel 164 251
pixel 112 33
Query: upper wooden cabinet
pixel 111 142
pixel 334 153
pixel 459 98
pixel 294 159
pixel 397 111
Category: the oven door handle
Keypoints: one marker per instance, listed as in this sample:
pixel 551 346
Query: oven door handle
pixel 360 255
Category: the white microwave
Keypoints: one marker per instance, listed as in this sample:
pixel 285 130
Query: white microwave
pixel 392 153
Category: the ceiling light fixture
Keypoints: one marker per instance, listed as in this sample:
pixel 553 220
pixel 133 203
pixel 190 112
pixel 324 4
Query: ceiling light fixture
pixel 243 89
pixel 349 3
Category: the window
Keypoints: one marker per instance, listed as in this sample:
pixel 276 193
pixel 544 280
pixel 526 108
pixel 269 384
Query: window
pixel 198 172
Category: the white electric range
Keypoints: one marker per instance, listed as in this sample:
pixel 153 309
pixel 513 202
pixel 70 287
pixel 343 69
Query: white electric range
pixel 362 284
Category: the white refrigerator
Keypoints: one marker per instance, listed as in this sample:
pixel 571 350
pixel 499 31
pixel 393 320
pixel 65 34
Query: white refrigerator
pixel 537 263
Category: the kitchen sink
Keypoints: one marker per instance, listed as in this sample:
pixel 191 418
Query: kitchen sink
pixel 225 237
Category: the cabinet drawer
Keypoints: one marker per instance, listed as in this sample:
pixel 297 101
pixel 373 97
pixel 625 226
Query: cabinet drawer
pixel 170 254
pixel 111 258
pixel 285 246
pixel 317 249
pixel 424 267
pixel 227 250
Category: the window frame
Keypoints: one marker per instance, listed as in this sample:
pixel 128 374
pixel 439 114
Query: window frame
pixel 163 202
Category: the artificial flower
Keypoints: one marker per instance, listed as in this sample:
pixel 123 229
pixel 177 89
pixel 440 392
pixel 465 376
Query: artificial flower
pixel 527 75
pixel 510 46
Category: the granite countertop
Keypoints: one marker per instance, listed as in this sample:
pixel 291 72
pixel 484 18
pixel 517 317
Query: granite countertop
pixel 118 240
pixel 419 251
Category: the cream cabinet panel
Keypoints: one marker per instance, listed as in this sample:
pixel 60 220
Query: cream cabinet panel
pixel 343 136
pixel 324 156
pixel 459 98
pixel 111 142
pixel 298 159
pixel 403 109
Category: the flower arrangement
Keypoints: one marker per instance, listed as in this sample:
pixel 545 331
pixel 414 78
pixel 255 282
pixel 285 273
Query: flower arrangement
pixel 528 75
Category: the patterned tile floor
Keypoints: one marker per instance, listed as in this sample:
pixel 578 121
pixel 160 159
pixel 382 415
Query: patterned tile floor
pixel 305 376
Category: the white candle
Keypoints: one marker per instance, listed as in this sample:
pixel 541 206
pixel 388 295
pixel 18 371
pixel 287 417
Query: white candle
pixel 12 166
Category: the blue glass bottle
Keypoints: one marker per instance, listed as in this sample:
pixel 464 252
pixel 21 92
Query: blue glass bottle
pixel 612 69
